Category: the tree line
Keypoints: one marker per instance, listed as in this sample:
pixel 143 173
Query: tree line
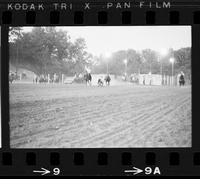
pixel 47 50
pixel 144 62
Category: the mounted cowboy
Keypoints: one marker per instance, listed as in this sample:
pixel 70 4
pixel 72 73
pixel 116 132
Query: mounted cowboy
pixel 12 77
pixel 88 78
pixel 107 79
pixel 181 79
pixel 100 81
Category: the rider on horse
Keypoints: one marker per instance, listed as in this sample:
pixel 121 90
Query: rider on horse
pixel 182 79
pixel 88 78
pixel 107 79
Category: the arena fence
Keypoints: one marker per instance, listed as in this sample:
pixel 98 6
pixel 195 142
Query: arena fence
pixel 142 79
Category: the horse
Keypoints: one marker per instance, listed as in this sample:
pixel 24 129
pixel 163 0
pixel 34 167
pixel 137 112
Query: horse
pixel 12 77
pixel 181 80
pixel 107 80
pixel 88 78
pixel 100 82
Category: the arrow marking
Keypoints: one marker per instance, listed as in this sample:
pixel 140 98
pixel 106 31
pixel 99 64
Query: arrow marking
pixel 135 171
pixel 43 171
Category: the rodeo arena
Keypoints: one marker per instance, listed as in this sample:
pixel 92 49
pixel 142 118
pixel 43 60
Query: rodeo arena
pixel 100 110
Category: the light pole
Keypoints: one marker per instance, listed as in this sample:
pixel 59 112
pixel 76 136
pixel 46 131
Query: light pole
pixel 107 67
pixel 125 62
pixel 163 52
pixel 107 56
pixel 172 62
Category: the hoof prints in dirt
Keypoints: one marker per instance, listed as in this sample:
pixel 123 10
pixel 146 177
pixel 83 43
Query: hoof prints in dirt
pixel 77 117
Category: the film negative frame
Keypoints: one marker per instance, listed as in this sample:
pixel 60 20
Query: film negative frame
pixel 169 161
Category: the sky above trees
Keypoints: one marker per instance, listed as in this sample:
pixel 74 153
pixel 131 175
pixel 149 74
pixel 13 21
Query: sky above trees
pixel 102 39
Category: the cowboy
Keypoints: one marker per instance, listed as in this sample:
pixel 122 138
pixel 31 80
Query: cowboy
pixel 182 79
pixel 100 82
pixel 107 79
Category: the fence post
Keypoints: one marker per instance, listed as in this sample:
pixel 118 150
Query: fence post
pixel 20 76
pixel 48 77
pixel 177 80
pixel 169 83
pixel 62 78
pixel 164 81
pixel 171 80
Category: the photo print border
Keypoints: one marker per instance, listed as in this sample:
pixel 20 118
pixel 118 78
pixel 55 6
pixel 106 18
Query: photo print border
pixel 100 161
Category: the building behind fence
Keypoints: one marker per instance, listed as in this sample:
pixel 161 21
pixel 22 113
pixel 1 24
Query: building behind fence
pixel 155 79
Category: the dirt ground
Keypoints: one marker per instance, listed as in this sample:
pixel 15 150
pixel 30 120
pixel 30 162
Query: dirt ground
pixel 76 116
